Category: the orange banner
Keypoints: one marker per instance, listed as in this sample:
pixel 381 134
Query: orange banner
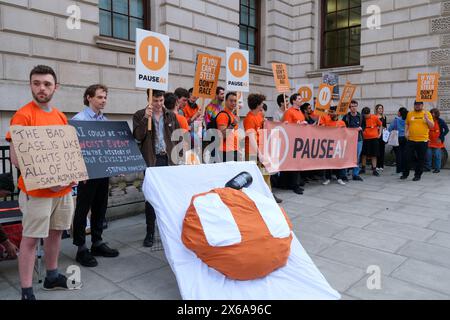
pixel 346 99
pixel 291 147
pixel 324 98
pixel 280 74
pixel 427 87
pixel 206 76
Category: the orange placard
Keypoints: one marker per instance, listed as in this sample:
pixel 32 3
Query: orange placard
pixel 281 77
pixel 346 99
pixel 324 99
pixel 206 76
pixel 427 87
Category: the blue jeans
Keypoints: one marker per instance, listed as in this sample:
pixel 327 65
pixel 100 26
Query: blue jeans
pixel 356 169
pixel 437 153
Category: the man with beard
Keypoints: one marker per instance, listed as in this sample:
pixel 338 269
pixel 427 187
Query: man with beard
pixel 46 212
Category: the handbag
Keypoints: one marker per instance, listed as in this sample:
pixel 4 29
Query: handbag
pixel 393 138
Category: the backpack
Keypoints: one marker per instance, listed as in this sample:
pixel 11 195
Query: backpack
pixel 213 123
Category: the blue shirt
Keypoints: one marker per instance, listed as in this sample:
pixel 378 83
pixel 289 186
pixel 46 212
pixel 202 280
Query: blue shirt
pixel 89 115
pixel 399 125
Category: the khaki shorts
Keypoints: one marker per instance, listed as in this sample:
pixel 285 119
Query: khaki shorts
pixel 43 214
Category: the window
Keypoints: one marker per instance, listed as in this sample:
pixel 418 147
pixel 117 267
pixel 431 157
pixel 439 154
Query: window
pixel 341 33
pixel 249 25
pixel 120 18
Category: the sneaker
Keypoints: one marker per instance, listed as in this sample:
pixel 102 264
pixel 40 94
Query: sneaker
pixel 104 251
pixel 357 178
pixel 28 298
pixel 416 178
pixel 278 200
pixel 436 171
pixel 86 259
pixel 326 182
pixel 341 182
pixel 376 173
pixel 403 177
pixel 345 179
pixel 380 169
pixel 426 170
pixel 298 190
pixel 61 283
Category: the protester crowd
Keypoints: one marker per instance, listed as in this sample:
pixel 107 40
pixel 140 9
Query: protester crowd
pixel 418 135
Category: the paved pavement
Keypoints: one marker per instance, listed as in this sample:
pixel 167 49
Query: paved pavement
pixel 400 227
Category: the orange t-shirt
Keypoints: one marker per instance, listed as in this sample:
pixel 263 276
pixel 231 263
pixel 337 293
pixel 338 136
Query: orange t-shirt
pixel 190 112
pixel 293 115
pixel 373 123
pixel 434 136
pixel 324 120
pixel 32 115
pixel 337 123
pixel 255 123
pixel 183 122
pixel 230 143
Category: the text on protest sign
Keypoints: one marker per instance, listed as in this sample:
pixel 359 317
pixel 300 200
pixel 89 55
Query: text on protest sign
pixel 238 70
pixel 290 147
pixel 323 100
pixel 152 60
pixel 108 148
pixel 427 87
pixel 206 76
pixel 280 74
pixel 49 156
pixel 346 99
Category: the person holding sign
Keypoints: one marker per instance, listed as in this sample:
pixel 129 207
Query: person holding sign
pixel 227 123
pixel 192 111
pixel 156 145
pixel 46 212
pixel 417 130
pixel 92 194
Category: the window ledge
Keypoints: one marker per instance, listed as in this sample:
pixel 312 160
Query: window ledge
pixel 254 69
pixel 115 44
pixel 339 71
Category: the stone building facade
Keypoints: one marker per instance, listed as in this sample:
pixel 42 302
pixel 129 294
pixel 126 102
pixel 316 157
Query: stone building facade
pixel 414 36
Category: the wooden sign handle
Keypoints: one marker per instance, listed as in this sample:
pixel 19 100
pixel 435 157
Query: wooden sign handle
pixel 285 102
pixel 150 100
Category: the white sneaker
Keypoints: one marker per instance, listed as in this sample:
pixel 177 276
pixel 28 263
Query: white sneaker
pixel 326 182
pixel 341 182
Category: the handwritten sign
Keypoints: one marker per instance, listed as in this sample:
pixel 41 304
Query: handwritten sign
pixel 346 99
pixel 108 148
pixel 427 87
pixel 206 76
pixel 49 156
pixel 280 74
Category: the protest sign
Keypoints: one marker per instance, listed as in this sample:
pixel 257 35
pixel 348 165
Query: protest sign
pixel 280 74
pixel 324 98
pixel 237 70
pixel 346 99
pixel 306 92
pixel 332 79
pixel 108 148
pixel 206 76
pixel 48 156
pixel 427 87
pixel 152 60
pixel 290 147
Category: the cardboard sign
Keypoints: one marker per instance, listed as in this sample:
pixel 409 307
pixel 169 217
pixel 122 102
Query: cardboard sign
pixel 280 74
pixel 306 91
pixel 108 148
pixel 427 87
pixel 290 147
pixel 206 76
pixel 324 98
pixel 238 71
pixel 152 60
pixel 49 156
pixel 346 99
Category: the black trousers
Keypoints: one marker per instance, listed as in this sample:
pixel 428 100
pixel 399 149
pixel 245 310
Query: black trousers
pixel 229 156
pixel 381 153
pixel 400 154
pixel 92 195
pixel 418 149
pixel 150 216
